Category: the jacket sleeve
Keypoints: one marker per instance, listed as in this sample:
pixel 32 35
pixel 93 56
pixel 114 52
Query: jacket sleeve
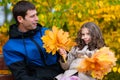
pixel 19 71
pixel 16 64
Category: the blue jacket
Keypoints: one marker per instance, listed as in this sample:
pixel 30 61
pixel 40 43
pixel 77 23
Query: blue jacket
pixel 24 51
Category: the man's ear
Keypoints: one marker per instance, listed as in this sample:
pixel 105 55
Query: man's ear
pixel 20 19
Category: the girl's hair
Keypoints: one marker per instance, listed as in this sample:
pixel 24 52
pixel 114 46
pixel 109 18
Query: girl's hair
pixel 97 40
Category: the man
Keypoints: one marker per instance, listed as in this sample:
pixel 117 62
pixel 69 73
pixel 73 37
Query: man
pixel 23 53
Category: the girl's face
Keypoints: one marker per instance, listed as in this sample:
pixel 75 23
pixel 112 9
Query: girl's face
pixel 86 35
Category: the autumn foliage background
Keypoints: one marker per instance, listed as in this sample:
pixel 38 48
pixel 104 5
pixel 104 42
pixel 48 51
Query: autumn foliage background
pixel 71 14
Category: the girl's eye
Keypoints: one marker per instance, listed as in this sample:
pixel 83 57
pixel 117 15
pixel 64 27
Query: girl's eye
pixel 88 34
pixel 83 34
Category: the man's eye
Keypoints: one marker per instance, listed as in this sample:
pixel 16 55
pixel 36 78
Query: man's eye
pixel 32 16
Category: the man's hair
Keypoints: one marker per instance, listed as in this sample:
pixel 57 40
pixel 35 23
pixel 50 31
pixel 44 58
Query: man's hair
pixel 21 8
pixel 97 40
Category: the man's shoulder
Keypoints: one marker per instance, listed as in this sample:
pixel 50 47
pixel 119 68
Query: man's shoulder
pixel 8 44
pixel 11 43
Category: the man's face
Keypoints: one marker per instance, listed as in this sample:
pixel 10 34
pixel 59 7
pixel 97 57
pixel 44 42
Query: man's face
pixel 30 21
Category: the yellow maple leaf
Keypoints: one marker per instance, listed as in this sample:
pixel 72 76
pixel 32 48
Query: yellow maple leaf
pixel 55 39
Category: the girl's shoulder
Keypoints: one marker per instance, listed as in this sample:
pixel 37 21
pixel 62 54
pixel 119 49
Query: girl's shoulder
pixel 73 50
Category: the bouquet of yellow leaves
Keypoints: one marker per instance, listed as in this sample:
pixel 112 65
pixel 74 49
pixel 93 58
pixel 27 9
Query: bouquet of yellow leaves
pixel 99 64
pixel 56 39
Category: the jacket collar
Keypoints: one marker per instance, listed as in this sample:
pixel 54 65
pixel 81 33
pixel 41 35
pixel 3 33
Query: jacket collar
pixel 15 33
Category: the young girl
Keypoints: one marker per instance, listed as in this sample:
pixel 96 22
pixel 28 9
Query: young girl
pixel 88 40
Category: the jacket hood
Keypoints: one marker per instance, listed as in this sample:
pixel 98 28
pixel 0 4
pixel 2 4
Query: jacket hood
pixel 15 33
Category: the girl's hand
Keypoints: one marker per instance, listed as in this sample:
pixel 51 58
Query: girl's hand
pixel 63 53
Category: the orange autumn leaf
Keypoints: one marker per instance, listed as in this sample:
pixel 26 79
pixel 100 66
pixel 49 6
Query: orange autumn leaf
pixel 3 39
pixel 5 72
pixel 99 64
pixel 55 39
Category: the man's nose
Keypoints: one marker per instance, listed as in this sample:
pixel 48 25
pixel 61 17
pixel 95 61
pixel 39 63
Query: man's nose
pixel 36 18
